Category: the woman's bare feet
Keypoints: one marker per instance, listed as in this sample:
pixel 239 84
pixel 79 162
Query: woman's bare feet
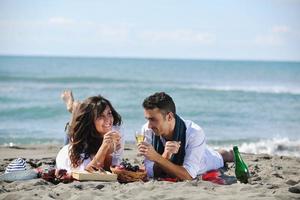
pixel 67 97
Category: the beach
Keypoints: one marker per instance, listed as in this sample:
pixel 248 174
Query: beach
pixel 272 177
pixel 231 74
pixel 250 104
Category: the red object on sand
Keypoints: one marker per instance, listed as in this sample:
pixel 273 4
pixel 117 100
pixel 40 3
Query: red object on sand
pixel 56 176
pixel 169 179
pixel 213 176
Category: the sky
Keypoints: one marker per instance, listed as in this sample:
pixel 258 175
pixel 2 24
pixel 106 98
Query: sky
pixel 191 29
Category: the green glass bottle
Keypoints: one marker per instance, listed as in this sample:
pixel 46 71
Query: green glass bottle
pixel 241 169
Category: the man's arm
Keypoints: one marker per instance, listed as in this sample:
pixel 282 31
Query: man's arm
pixel 157 171
pixel 171 148
pixel 164 164
pixel 171 169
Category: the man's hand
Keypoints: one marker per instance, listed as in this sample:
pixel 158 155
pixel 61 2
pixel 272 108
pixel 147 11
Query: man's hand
pixel 164 164
pixel 171 147
pixel 148 151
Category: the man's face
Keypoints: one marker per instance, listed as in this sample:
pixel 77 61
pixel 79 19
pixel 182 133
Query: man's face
pixel 157 122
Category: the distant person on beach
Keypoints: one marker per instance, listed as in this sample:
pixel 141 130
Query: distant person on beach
pixel 95 135
pixel 174 147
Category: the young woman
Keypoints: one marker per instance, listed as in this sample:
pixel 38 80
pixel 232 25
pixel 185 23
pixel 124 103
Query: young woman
pixel 95 136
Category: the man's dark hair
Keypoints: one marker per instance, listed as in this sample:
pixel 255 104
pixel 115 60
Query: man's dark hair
pixel 162 101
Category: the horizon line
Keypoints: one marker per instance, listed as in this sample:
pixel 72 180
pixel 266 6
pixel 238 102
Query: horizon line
pixel 144 58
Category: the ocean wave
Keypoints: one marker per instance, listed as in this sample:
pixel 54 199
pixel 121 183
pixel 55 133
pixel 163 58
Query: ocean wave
pixel 30 112
pixel 28 141
pixel 275 146
pixel 254 89
pixel 68 79
pixel 93 81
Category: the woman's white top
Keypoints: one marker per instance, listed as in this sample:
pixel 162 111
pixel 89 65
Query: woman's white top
pixel 63 159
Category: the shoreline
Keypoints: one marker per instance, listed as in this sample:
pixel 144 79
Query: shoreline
pixel 272 178
pixel 279 146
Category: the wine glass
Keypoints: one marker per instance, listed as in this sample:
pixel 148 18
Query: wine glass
pixel 115 153
pixel 139 137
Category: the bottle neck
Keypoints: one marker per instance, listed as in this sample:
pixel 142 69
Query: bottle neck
pixel 236 154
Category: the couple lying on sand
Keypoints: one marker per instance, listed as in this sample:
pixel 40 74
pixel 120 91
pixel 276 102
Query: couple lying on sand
pixel 173 147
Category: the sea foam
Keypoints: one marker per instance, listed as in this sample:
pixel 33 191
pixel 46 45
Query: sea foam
pixel 275 146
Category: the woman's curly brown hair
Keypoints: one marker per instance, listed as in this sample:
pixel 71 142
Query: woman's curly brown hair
pixel 84 137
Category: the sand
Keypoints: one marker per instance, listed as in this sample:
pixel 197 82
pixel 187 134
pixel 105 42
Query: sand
pixel 273 177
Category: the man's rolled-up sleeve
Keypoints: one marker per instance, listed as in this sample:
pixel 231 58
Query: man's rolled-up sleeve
pixel 194 153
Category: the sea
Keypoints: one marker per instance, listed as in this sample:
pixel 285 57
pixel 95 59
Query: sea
pixel 252 104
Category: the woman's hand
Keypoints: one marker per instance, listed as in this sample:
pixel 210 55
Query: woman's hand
pixel 112 139
pixel 105 151
pixel 93 166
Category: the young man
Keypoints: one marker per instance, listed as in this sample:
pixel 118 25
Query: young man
pixel 175 147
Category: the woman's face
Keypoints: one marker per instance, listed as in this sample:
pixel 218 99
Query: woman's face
pixel 105 121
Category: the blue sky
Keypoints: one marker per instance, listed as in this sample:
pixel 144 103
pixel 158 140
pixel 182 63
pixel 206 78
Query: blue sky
pixel 216 29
